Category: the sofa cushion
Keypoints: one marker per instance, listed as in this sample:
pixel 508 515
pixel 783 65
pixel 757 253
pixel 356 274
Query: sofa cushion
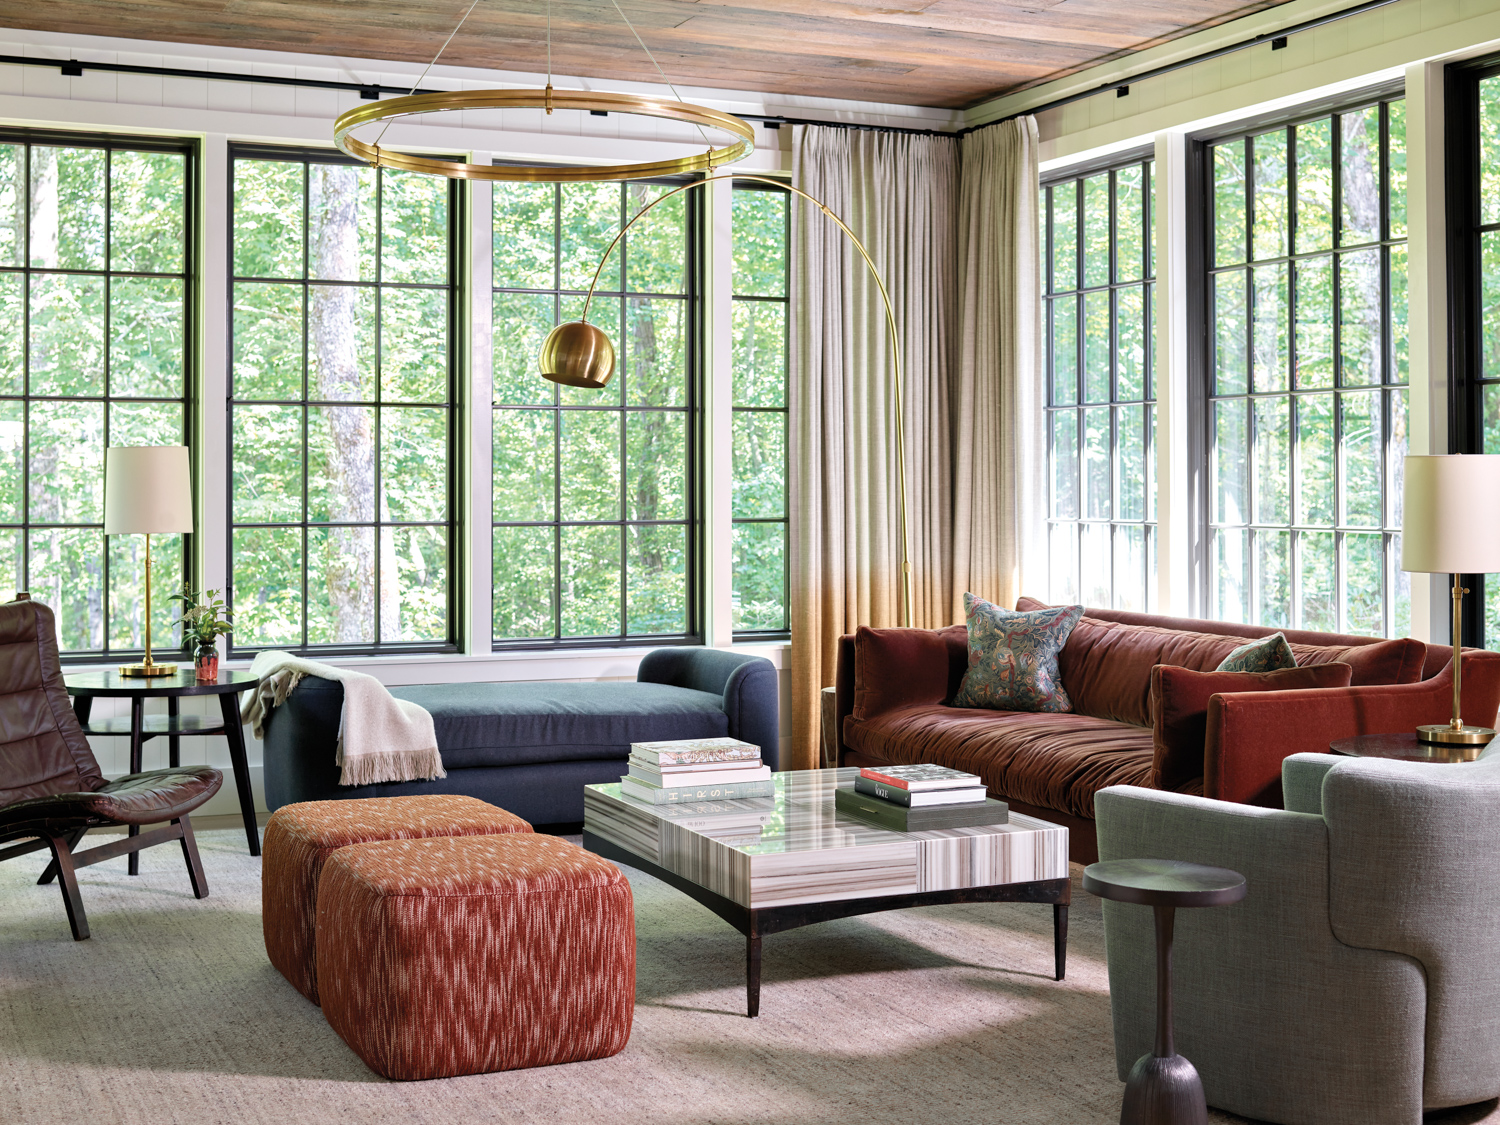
pixel 900 667
pixel 1051 761
pixel 1269 654
pixel 1179 698
pixel 1013 657
pixel 1107 666
pixel 1396 661
pixel 523 723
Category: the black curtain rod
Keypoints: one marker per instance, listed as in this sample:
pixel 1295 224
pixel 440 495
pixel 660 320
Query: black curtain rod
pixel 371 91
pixel 74 68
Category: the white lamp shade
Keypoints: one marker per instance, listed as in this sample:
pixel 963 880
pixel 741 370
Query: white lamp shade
pixel 148 489
pixel 1449 522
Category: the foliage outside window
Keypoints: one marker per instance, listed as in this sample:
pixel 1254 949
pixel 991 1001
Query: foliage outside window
pixel 341 407
pixel 593 498
pixel 1309 358
pixel 95 290
pixel 761 282
pixel 1101 398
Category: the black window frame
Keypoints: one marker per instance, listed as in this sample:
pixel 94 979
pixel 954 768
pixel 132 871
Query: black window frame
pixel 1202 394
pixel 694 468
pixel 191 150
pixel 458 321
pixel 750 636
pixel 1144 157
pixel 1465 325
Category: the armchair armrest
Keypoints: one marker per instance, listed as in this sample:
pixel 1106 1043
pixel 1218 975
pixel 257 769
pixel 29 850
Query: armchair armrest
pixel 748 685
pixel 1249 733
pixel 1302 781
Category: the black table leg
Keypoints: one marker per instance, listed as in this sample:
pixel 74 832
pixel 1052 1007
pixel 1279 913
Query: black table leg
pixel 83 706
pixel 234 732
pixel 752 974
pixel 174 743
pixel 1060 938
pixel 137 709
pixel 1163 1087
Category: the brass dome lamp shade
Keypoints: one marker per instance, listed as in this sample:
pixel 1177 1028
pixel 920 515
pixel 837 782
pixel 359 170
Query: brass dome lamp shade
pixel 580 354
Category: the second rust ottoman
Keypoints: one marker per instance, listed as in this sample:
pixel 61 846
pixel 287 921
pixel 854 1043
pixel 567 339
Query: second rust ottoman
pixel 301 837
pixel 477 953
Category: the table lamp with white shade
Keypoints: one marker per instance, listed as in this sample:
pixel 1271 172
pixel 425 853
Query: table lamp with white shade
pixel 1449 525
pixel 148 490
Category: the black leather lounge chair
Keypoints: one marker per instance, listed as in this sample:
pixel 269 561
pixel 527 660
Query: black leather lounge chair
pixel 51 790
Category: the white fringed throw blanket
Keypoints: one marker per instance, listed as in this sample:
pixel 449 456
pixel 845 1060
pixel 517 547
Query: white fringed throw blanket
pixel 381 738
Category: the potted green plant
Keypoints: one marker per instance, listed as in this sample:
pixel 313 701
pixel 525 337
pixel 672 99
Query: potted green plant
pixel 204 619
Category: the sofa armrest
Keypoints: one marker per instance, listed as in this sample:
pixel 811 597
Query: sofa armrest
pixel 748 685
pixel 1249 733
pixel 1302 781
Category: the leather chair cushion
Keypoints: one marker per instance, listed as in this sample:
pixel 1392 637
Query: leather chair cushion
pixel 140 798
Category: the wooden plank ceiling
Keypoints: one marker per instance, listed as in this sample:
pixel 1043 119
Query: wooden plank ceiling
pixel 910 52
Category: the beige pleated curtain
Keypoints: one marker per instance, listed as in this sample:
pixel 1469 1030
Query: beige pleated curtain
pixel 930 230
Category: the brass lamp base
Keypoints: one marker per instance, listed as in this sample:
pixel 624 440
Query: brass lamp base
pixel 1445 734
pixel 169 670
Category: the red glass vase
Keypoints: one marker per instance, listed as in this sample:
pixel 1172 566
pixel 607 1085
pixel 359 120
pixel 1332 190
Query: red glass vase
pixel 206 663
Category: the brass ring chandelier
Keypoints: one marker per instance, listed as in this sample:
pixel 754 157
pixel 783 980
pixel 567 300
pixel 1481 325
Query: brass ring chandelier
pixel 548 99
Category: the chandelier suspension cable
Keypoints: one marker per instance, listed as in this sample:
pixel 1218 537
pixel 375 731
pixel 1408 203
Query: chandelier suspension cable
pixel 665 80
pixel 444 47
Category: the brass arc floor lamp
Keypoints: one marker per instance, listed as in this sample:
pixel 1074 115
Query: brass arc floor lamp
pixel 580 354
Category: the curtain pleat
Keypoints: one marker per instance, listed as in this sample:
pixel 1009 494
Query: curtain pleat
pixel 997 396
pixel 898 193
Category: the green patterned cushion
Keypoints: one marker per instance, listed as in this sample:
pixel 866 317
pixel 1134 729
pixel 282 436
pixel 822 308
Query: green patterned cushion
pixel 1013 657
pixel 1269 654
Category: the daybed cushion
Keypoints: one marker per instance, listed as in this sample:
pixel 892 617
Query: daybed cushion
pixel 1054 761
pixel 525 723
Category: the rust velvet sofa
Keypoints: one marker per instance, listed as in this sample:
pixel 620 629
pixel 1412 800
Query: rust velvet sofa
pixel 894 688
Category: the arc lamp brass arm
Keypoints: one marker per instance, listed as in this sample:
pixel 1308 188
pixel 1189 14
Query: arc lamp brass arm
pixel 580 354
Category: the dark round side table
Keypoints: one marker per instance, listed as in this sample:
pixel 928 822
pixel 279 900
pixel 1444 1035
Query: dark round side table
pixel 1404 747
pixel 1163 1087
pixel 85 687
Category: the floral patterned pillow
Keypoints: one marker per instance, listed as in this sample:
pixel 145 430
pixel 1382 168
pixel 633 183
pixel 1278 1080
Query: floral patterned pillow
pixel 1013 657
pixel 1269 654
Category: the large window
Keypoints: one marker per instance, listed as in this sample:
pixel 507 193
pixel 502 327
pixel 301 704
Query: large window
pixel 96 272
pixel 1308 372
pixel 761 282
pixel 594 497
pixel 1101 396
pixel 342 399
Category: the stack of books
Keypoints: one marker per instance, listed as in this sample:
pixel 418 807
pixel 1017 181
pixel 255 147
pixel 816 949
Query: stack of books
pixel 696 769
pixel 920 798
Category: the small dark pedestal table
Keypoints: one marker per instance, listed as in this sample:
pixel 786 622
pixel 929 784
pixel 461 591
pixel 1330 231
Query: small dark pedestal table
pixel 1163 1087
pixel 85 687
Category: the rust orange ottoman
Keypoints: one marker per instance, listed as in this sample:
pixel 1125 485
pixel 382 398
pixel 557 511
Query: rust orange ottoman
pixel 300 838
pixel 471 954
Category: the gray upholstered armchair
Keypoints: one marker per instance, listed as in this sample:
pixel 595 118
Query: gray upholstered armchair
pixel 1359 981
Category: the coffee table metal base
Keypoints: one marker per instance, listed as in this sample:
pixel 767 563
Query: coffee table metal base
pixel 756 923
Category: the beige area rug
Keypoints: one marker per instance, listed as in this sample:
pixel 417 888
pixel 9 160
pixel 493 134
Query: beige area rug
pixel 170 1013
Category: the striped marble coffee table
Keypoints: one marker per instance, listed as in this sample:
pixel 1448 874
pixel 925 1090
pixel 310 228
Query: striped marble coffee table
pixel 775 863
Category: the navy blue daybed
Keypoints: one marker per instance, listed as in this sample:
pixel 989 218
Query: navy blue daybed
pixel 531 747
